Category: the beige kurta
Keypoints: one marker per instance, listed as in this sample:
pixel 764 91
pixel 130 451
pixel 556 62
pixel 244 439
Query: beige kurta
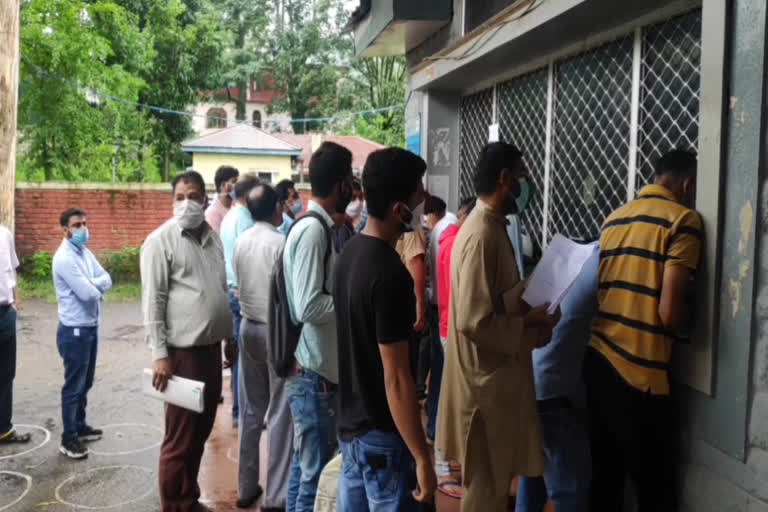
pixel 488 369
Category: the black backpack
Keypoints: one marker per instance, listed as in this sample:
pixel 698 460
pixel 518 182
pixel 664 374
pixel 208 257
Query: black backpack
pixel 282 333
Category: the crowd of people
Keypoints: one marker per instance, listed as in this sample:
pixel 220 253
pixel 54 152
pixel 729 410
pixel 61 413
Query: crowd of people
pixel 394 301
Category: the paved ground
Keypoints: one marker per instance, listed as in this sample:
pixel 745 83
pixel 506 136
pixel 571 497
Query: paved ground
pixel 121 472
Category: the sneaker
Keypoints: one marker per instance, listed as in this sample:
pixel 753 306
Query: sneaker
pixel 89 434
pixel 73 449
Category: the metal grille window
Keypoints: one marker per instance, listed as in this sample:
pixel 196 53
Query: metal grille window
pixel 523 122
pixel 669 108
pixel 612 111
pixel 590 143
pixel 475 114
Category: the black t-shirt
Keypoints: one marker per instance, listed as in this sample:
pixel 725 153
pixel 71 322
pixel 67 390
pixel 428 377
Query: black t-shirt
pixel 374 301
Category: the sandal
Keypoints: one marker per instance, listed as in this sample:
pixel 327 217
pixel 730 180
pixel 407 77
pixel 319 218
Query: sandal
pixel 449 489
pixel 14 437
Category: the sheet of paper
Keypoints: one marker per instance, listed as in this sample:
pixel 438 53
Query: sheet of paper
pixel 493 132
pixel 186 393
pixel 559 266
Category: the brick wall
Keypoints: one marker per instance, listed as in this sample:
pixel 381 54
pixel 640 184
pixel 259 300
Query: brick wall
pixel 119 215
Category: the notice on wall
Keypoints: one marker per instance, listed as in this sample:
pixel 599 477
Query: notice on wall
pixel 493 132
pixel 439 186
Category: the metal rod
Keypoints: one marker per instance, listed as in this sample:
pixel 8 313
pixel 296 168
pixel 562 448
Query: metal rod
pixel 548 152
pixel 634 120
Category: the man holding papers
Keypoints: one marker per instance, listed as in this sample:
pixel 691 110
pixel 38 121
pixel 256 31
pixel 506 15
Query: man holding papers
pixel 186 315
pixel 487 411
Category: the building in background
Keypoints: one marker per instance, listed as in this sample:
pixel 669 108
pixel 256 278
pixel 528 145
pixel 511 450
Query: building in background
pixel 246 148
pixel 359 146
pixel 593 91
pixel 217 109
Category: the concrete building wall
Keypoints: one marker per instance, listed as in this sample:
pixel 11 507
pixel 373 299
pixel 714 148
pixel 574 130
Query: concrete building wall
pixel 277 121
pixel 278 166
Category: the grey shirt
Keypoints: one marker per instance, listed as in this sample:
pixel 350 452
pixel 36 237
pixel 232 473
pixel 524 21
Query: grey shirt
pixel 184 289
pixel 256 252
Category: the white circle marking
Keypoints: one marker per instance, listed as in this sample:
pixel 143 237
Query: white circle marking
pixel 26 491
pixel 34 448
pixel 105 507
pixel 128 452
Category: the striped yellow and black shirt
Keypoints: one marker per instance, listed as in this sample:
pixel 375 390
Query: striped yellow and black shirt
pixel 640 240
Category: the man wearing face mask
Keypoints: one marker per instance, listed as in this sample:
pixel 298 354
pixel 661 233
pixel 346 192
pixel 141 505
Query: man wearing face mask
pixel 225 180
pixel 515 226
pixel 650 249
pixel 80 283
pixel 379 425
pixel 487 411
pixel 186 315
pixel 308 281
pixel 291 201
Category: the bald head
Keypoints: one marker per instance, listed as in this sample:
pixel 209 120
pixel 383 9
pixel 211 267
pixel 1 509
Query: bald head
pixel 264 205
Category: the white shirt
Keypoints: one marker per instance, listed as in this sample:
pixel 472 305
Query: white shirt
pixel 9 262
pixel 432 249
pixel 256 252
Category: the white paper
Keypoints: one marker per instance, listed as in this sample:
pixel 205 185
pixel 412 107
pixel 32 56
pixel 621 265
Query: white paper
pixel 493 132
pixel 439 186
pixel 186 393
pixel 559 266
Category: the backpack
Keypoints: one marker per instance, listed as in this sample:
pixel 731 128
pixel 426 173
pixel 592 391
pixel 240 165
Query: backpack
pixel 282 333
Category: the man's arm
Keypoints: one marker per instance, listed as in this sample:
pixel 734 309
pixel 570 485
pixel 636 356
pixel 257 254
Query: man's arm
pixel 683 257
pixel 417 270
pixel 101 278
pixel 311 304
pixel 69 272
pixel 154 296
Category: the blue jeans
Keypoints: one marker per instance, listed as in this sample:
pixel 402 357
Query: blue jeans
pixel 437 359
pixel 7 366
pixel 568 468
pixel 234 305
pixel 378 474
pixel 77 347
pixel 311 400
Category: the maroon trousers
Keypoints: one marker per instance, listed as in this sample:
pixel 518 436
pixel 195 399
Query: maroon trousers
pixel 185 431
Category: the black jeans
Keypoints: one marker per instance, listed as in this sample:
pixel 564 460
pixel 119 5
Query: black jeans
pixel 633 434
pixel 7 366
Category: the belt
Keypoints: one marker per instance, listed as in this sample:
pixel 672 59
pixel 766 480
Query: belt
pixel 557 403
pixel 326 385
pixel 199 348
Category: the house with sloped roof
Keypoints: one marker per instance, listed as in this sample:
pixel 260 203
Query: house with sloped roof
pixel 248 149
pixel 359 146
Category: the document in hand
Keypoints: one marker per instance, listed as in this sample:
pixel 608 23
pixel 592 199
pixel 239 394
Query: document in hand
pixel 559 266
pixel 186 393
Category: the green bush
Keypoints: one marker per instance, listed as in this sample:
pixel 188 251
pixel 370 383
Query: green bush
pixel 123 266
pixel 38 266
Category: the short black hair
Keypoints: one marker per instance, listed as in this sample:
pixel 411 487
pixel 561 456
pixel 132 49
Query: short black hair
pixel 328 167
pixel 245 184
pixel 390 176
pixel 188 177
pixel 72 212
pixel 494 157
pixel 262 201
pixel 223 175
pixel 283 189
pixel 434 205
pixel 468 204
pixel 678 163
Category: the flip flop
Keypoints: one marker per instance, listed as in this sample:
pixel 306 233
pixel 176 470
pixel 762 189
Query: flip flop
pixel 445 488
pixel 14 437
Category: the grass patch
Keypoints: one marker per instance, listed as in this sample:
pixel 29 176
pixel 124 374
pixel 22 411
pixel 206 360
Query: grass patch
pixel 42 289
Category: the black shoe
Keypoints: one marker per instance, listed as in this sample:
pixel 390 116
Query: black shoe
pixel 248 502
pixel 73 449
pixel 89 434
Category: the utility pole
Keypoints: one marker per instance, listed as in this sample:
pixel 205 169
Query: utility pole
pixel 9 94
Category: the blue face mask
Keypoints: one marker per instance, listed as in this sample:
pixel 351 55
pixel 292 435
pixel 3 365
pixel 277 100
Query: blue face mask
pixel 525 195
pixel 232 195
pixel 80 238
pixel 297 206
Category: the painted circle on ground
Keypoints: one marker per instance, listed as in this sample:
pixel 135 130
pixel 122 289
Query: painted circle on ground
pixel 92 489
pixel 14 476
pixel 47 438
pixel 144 431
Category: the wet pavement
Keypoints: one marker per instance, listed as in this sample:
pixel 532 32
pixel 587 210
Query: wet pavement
pixel 121 472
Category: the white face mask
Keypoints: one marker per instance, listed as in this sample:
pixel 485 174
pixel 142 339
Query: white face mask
pixel 418 217
pixel 189 214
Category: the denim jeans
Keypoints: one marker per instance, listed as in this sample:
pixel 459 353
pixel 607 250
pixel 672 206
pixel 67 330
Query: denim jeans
pixel 378 474
pixel 78 348
pixel 568 468
pixel 234 304
pixel 437 359
pixel 7 366
pixel 311 399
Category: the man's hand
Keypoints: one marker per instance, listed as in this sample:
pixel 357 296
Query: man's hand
pixel 230 354
pixel 418 327
pixel 538 317
pixel 161 372
pixel 426 482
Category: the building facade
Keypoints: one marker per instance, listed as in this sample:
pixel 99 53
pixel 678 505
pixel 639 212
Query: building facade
pixel 593 91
